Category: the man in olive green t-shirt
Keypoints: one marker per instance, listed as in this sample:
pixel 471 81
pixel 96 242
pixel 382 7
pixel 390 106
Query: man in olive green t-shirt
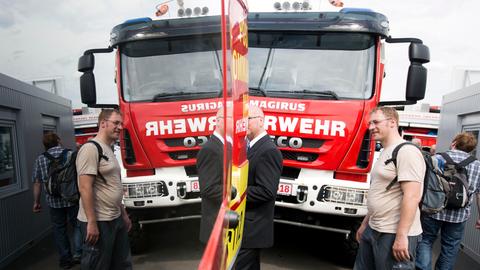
pixel 390 232
pixel 104 223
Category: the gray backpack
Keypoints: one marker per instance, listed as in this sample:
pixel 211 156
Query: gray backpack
pixel 435 186
pixel 456 175
pixel 62 174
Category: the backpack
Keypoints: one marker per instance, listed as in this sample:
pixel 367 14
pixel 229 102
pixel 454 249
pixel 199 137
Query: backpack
pixel 62 174
pixel 457 177
pixel 435 187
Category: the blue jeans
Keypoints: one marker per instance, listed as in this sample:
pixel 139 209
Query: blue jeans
pixel 60 217
pixel 375 251
pixel 111 251
pixel 451 235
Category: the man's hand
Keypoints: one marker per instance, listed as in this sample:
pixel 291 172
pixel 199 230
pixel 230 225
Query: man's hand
pixel 478 208
pixel 37 190
pixel 37 207
pixel 360 231
pixel 400 248
pixel 128 222
pixel 92 233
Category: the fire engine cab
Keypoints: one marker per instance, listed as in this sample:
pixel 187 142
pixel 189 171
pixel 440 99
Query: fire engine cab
pixel 316 74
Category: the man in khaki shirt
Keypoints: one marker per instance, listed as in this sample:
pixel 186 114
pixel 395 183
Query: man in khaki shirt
pixel 390 232
pixel 104 223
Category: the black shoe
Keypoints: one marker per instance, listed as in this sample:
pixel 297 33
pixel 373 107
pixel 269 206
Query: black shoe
pixel 76 259
pixel 66 265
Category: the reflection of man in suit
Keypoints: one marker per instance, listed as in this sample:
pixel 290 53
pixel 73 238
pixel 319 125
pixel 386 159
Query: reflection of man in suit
pixel 265 167
pixel 210 178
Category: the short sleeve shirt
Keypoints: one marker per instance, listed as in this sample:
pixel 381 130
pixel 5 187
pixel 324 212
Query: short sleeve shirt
pixel 384 205
pixel 40 173
pixel 107 194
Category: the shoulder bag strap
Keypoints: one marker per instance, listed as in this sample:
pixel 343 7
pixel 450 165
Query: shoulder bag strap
pixel 394 160
pixel 100 156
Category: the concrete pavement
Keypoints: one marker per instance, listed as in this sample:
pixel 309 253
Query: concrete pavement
pixel 174 246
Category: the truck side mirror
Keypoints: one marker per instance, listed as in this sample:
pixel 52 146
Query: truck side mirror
pixel 417 74
pixel 86 63
pixel 87 88
pixel 418 53
pixel 416 83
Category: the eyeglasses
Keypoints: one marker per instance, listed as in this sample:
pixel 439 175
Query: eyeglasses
pixel 253 117
pixel 376 122
pixel 115 123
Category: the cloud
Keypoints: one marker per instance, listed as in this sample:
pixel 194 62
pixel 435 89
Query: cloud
pixel 17 54
pixel 45 39
pixel 6 18
pixel 64 61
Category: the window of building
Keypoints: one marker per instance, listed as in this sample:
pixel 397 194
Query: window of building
pixel 49 124
pixel 474 129
pixel 475 133
pixel 8 156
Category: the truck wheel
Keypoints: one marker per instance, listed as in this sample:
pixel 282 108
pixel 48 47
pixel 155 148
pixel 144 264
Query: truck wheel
pixel 350 246
pixel 138 240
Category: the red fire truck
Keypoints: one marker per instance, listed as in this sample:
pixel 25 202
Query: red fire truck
pixel 315 74
pixel 85 126
pixel 420 122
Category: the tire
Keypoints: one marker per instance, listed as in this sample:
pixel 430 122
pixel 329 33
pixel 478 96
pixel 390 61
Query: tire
pixel 137 237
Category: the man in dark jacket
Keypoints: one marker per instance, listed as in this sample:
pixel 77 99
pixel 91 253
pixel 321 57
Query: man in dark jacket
pixel 265 167
pixel 210 178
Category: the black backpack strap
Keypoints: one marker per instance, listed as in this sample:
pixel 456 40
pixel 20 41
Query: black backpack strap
pixel 464 164
pixel 100 156
pixel 100 150
pixel 467 161
pixel 49 156
pixel 447 158
pixel 461 164
pixel 395 153
pixel 394 160
pixel 64 155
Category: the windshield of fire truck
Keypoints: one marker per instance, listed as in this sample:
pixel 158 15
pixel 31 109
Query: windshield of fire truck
pixel 311 65
pixel 171 69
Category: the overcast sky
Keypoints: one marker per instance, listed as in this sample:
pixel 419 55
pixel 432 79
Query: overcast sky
pixel 43 39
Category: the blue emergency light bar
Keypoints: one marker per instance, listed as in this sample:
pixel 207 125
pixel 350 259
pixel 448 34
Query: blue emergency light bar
pixel 137 20
pixel 355 10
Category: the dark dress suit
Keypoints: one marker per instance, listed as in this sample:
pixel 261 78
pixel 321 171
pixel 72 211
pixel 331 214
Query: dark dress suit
pixel 210 178
pixel 265 166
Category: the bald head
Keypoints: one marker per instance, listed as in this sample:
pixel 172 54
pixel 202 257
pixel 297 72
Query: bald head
pixel 220 125
pixel 220 112
pixel 255 111
pixel 255 122
pixel 417 142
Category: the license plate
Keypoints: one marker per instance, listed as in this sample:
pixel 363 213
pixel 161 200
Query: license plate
pixel 284 189
pixel 195 186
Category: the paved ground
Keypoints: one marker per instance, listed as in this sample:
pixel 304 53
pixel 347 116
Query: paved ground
pixel 175 246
